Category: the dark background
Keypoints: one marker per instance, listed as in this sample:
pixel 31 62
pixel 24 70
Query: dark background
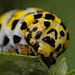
pixel 65 9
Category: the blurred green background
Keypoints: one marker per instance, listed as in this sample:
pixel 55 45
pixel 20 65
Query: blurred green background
pixel 65 9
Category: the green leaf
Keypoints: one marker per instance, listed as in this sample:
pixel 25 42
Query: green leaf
pixel 15 64
pixel 61 68
pixel 72 72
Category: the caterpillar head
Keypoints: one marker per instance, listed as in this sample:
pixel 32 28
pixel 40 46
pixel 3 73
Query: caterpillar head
pixel 47 38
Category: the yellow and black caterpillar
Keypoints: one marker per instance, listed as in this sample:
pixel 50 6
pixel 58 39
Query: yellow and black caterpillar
pixel 33 32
